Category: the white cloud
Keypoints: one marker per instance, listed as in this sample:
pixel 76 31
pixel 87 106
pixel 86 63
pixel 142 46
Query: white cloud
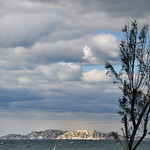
pixel 61 71
pixel 106 43
pixel 24 80
pixel 63 50
pixel 101 48
pixel 95 75
pixel 88 55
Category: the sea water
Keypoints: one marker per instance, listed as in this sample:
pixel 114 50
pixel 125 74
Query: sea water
pixel 65 145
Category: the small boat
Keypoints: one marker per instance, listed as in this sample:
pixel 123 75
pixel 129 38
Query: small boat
pixel 54 147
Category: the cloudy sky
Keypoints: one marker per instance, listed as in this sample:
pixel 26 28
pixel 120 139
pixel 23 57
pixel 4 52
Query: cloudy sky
pixel 52 56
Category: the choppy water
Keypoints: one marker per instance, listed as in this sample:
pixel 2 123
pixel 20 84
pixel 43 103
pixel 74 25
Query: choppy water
pixel 65 145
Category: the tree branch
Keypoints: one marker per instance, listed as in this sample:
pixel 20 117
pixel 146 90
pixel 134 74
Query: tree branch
pixel 138 123
pixel 144 132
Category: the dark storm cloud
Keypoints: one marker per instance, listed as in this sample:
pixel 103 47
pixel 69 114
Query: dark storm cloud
pixel 126 8
pixel 133 8
pixel 61 100
pixel 17 95
pixel 116 8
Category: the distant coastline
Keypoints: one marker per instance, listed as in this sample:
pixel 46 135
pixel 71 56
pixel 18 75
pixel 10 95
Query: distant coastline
pixel 59 134
pixel 64 135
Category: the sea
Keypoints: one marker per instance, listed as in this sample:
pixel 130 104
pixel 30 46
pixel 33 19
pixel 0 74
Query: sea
pixel 65 145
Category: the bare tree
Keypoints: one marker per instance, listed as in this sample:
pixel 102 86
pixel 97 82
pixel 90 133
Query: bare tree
pixel 134 81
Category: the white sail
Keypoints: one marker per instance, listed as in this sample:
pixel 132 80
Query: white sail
pixel 54 147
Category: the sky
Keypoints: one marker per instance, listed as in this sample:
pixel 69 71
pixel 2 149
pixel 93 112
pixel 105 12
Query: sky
pixel 52 57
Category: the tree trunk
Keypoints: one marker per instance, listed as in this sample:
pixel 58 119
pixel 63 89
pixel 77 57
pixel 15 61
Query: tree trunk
pixel 126 133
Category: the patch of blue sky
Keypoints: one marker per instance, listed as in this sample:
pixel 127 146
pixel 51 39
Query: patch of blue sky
pixel 117 34
pixel 99 67
pixel 91 67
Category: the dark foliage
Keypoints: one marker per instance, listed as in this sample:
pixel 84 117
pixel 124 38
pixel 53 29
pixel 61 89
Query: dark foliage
pixel 134 82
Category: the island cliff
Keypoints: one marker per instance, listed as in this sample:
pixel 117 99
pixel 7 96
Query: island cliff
pixel 85 135
pixel 47 134
pixel 58 134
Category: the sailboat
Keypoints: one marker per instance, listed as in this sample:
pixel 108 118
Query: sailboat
pixel 54 147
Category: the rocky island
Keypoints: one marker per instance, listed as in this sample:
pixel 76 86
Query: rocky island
pixel 85 135
pixel 59 134
pixel 63 135
pixel 47 134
